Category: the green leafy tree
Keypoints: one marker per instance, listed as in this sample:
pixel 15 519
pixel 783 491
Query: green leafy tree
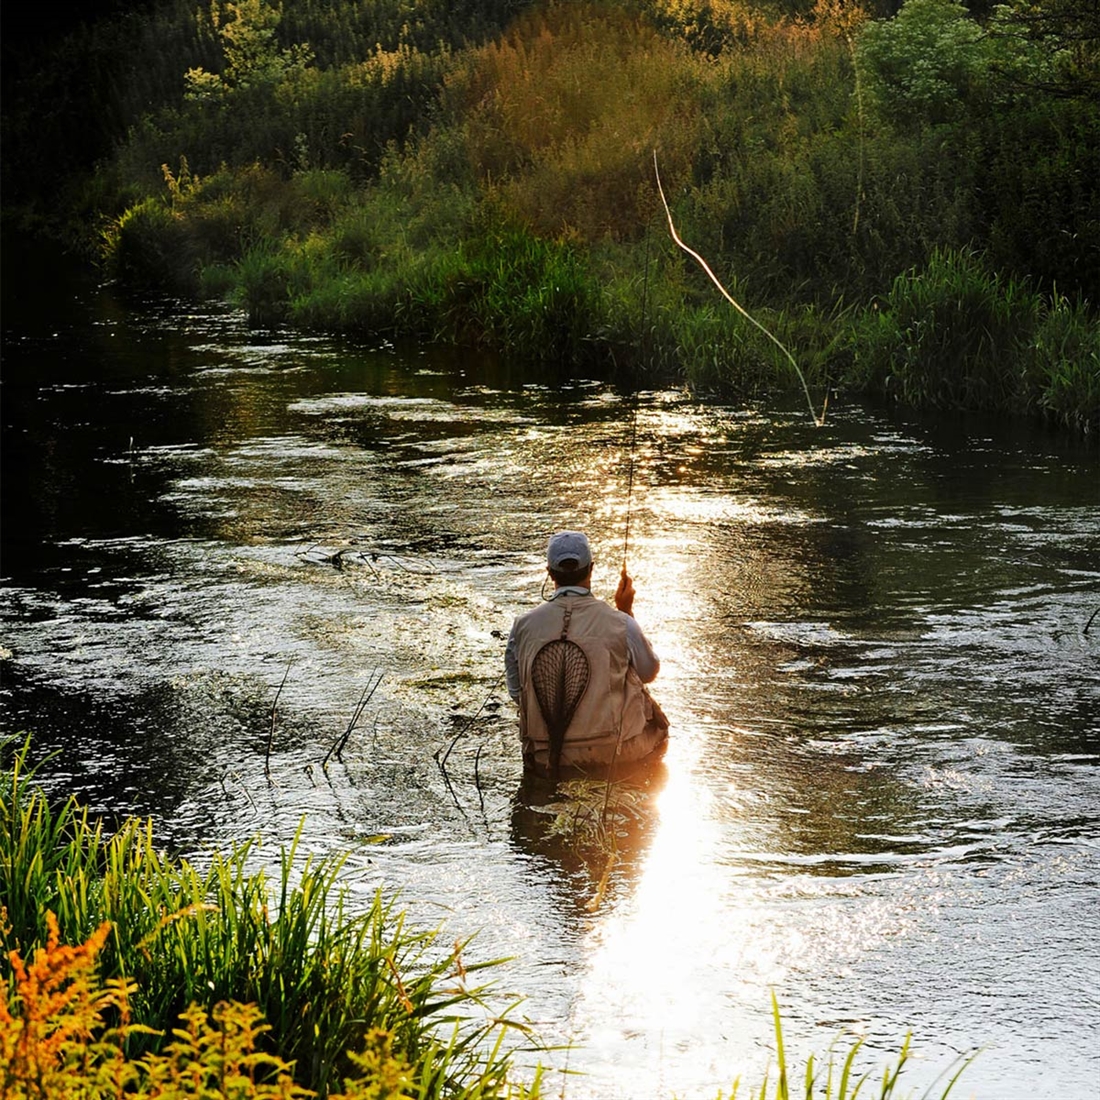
pixel 926 63
pixel 1052 47
pixel 253 56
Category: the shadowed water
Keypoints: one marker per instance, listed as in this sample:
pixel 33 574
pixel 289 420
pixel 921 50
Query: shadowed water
pixel 881 797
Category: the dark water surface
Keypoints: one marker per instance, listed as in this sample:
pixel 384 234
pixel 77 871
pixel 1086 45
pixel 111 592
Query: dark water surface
pixel 882 796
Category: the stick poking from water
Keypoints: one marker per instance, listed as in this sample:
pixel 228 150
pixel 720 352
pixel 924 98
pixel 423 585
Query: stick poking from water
pixel 364 699
pixel 274 714
pixel 466 726
pixel 818 420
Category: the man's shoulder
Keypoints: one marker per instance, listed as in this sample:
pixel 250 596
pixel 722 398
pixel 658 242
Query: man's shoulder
pixel 554 607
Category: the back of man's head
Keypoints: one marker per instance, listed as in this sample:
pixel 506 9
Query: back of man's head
pixel 569 557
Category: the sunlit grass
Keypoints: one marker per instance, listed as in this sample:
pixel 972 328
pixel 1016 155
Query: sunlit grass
pixel 842 1080
pixel 63 1034
pixel 321 975
pixel 521 214
pixel 277 976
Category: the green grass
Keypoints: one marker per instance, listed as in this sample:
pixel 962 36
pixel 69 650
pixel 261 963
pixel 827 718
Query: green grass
pixel 843 1080
pixel 952 335
pixel 322 975
pixel 956 335
pixel 949 334
pixel 1064 367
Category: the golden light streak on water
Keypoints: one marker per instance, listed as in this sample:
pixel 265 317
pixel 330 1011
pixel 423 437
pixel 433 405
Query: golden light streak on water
pixel 648 989
pixel 675 914
pixel 682 955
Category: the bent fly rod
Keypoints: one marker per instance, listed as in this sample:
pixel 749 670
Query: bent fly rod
pixel 818 420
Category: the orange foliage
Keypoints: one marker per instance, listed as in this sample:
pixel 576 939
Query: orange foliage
pixel 562 113
pixel 54 1045
pixel 46 1027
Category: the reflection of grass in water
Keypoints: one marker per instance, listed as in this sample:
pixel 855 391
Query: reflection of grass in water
pixel 588 818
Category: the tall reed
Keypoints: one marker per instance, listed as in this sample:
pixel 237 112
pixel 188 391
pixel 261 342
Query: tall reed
pixel 1064 365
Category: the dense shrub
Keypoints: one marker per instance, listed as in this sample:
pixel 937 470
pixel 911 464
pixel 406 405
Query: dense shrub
pixel 950 335
pixel 152 247
pixel 956 335
pixel 1064 371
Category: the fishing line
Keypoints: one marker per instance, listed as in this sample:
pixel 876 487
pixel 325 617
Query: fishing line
pixel 818 420
pixel 645 304
pixel 630 477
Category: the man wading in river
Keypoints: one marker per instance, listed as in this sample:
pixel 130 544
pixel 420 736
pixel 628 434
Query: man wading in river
pixel 578 667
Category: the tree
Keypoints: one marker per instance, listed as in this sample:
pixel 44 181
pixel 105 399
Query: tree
pixel 922 65
pixel 253 56
pixel 1052 46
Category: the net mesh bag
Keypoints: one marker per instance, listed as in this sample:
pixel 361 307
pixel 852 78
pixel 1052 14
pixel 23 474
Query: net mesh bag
pixel 560 676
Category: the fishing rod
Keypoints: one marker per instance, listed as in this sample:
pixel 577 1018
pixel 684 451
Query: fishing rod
pixel 634 410
pixel 630 478
pixel 626 539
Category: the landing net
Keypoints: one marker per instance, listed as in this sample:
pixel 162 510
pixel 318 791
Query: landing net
pixel 560 676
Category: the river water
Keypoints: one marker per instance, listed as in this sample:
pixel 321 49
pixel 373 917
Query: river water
pixel 881 799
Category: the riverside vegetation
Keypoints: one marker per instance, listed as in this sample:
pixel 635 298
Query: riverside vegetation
pixel 129 973
pixel 908 200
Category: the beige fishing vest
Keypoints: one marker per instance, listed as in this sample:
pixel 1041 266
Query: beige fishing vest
pixel 614 719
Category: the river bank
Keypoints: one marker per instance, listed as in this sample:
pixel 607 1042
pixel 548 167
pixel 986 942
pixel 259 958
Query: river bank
pixel 906 201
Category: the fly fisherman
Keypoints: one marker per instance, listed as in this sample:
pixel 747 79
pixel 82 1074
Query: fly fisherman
pixel 578 667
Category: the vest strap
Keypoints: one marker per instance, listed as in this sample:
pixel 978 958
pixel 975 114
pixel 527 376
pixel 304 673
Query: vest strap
pixel 566 616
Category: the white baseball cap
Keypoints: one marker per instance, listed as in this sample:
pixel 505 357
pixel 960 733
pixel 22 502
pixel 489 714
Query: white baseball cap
pixel 568 546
